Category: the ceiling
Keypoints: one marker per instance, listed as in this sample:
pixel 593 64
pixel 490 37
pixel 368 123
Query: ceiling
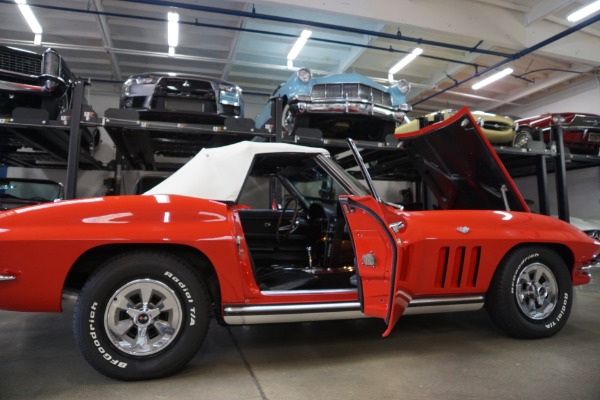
pixel 247 43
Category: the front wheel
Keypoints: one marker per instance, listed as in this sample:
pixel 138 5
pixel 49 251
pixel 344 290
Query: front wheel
pixel 523 137
pixel 531 293
pixel 142 315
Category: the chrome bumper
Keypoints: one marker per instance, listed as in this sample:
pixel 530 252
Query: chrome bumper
pixel 353 107
pixel 592 266
pixel 7 278
pixel 20 87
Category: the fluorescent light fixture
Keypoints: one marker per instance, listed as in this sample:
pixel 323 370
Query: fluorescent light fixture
pixel 171 51
pixel 407 59
pixel 584 11
pixel 299 44
pixel 31 20
pixel 173 29
pixel 493 78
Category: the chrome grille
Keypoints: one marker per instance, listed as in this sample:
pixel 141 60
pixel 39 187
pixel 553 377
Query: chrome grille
pixel 23 63
pixel 495 126
pixel 350 91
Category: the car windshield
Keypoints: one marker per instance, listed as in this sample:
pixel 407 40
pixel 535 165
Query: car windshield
pixel 315 183
pixel 312 177
pixel 30 190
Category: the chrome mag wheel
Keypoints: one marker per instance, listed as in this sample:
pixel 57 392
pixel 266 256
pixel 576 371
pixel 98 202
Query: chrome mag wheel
pixel 143 317
pixel 536 291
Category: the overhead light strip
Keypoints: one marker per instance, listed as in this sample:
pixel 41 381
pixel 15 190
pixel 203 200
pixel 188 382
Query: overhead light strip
pixel 493 78
pixel 300 42
pixel 172 31
pixel 584 11
pixel 406 60
pixel 31 20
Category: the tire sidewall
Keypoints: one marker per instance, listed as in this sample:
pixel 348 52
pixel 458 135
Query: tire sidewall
pixel 558 317
pixel 89 320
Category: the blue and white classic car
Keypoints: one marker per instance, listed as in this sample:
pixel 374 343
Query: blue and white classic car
pixel 340 105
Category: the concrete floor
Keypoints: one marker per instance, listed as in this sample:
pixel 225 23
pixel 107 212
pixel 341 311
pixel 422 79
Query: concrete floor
pixel 446 356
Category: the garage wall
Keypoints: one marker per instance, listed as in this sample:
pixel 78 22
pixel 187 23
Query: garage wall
pixel 584 97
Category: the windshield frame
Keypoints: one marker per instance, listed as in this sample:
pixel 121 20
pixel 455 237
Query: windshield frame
pixel 345 179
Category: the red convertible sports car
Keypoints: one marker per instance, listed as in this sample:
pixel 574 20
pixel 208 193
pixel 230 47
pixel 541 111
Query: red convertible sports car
pixel 272 232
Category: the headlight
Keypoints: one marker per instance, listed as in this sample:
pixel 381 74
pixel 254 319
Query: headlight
pixel 304 75
pixel 146 80
pixel 558 119
pixel 403 86
pixel 228 88
pixel 126 85
pixel 51 63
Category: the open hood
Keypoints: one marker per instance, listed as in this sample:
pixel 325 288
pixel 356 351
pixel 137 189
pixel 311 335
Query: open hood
pixel 457 163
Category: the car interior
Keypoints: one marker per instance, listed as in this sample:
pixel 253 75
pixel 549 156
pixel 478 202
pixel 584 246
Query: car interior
pixel 294 227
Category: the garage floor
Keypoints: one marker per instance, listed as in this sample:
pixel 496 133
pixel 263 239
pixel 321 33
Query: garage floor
pixel 446 356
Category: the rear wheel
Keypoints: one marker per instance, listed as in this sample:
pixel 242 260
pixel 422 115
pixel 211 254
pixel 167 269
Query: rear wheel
pixel 141 316
pixel 531 293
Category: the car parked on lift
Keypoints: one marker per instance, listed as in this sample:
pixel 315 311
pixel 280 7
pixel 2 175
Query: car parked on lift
pixel 42 82
pixel 274 232
pixel 33 80
pixel 340 106
pixel 176 97
pixel 581 131
pixel 20 192
pixel 498 129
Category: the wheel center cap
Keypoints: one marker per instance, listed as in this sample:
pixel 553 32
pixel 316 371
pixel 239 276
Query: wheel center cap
pixel 143 319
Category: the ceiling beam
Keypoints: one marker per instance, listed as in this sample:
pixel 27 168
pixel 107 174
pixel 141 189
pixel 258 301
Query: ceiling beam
pixel 106 39
pixel 554 79
pixel 543 9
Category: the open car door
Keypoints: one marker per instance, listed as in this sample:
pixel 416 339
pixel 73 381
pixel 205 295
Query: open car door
pixel 376 236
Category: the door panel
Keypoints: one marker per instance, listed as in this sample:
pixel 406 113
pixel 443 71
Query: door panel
pixel 266 247
pixel 378 255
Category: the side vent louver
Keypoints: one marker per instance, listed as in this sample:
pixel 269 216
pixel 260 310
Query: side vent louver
pixel 457 267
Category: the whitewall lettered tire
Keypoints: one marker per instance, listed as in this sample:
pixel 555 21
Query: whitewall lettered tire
pixel 142 315
pixel 531 293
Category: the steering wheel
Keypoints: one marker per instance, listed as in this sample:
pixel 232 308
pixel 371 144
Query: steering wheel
pixel 284 231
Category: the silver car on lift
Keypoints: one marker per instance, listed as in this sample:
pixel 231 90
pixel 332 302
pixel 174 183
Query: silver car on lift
pixel 175 97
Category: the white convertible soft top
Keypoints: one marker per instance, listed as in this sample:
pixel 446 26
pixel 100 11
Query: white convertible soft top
pixel 218 173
